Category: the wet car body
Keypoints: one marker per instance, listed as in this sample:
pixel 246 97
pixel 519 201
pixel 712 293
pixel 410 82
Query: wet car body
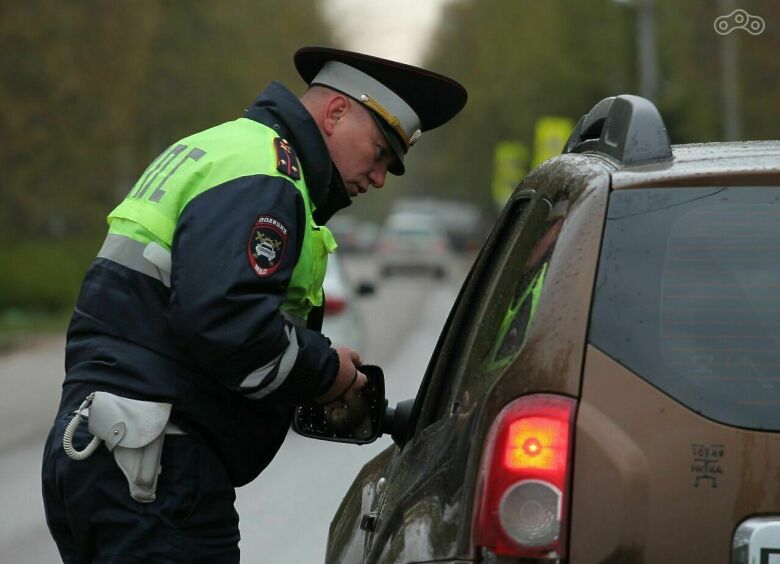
pixel 650 478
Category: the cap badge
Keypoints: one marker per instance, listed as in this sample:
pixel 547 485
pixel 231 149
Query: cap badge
pixel 391 120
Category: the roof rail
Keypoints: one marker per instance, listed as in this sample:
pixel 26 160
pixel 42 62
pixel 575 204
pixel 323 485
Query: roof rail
pixel 628 128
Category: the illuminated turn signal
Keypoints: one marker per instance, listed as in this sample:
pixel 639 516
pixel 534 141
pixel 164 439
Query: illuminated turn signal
pixel 532 447
pixel 537 442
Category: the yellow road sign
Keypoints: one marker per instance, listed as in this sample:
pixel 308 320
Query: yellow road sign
pixel 550 137
pixel 510 164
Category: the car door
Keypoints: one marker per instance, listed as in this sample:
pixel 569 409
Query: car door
pixel 422 476
pixel 418 513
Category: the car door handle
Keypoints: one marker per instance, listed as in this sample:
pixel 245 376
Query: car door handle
pixel 368 521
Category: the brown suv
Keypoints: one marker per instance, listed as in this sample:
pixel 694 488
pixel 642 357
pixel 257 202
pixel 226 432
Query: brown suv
pixel 607 386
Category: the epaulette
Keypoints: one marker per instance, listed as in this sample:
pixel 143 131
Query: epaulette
pixel 286 161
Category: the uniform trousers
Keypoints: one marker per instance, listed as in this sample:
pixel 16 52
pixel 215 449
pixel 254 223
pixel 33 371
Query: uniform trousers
pixel 93 519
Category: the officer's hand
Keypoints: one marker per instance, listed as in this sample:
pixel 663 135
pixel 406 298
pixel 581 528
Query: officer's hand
pixel 345 409
pixel 348 379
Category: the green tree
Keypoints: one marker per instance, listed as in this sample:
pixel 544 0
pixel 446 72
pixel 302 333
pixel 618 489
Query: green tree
pixel 91 91
pixel 68 79
pixel 522 59
pixel 519 59
pixel 692 93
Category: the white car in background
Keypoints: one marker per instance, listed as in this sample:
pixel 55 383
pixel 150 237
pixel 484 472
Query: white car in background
pixel 355 235
pixel 412 242
pixel 343 323
pixel 463 221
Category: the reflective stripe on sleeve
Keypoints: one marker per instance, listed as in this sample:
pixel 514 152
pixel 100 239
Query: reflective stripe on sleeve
pixel 152 259
pixel 285 363
pixel 256 377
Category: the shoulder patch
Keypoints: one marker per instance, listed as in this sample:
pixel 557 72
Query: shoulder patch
pixel 267 245
pixel 286 160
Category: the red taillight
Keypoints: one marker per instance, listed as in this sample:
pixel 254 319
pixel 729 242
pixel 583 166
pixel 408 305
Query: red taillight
pixel 334 305
pixel 523 483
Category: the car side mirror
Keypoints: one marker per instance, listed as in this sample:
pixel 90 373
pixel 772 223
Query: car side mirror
pixel 310 420
pixel 365 289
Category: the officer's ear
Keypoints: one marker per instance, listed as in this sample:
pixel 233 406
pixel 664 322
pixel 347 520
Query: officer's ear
pixel 335 110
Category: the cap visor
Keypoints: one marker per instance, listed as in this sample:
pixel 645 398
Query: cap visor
pixel 397 166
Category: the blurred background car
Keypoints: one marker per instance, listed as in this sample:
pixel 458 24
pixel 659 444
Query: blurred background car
pixel 462 221
pixel 413 242
pixel 354 235
pixel 343 322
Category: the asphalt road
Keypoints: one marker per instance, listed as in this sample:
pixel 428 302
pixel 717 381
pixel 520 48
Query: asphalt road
pixel 286 512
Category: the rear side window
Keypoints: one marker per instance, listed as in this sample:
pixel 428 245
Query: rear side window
pixel 688 297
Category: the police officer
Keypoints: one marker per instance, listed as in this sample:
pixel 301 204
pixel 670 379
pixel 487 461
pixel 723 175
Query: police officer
pixel 196 330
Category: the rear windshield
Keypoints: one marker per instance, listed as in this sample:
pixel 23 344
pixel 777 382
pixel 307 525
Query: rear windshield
pixel 688 297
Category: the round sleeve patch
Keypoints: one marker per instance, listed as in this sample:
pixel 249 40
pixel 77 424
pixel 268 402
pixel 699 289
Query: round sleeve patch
pixel 267 245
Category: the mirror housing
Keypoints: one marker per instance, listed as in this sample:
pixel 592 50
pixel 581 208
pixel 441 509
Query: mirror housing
pixel 396 421
pixel 310 420
pixel 365 288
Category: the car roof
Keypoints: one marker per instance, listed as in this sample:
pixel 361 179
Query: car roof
pixel 629 133
pixel 703 163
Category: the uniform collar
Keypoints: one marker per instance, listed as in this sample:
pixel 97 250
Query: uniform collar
pixel 280 109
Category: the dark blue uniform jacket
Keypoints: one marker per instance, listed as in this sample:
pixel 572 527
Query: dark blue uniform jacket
pixel 127 334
